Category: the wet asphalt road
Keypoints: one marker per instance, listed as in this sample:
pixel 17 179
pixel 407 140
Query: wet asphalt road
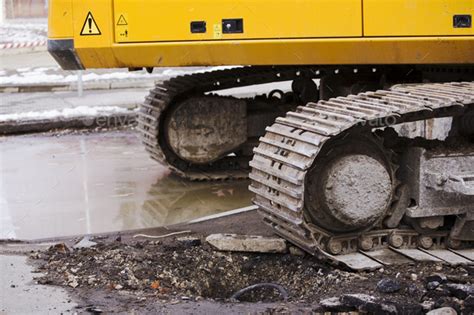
pixel 97 182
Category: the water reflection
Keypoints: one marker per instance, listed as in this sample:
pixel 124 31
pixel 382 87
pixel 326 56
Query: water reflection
pixel 100 182
pixel 172 200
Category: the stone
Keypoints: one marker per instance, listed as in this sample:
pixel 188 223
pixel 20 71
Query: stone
pixel 189 241
pixel 461 291
pixel 85 242
pixel 409 308
pixel 334 304
pixel 247 243
pixel 443 311
pixel 427 305
pixel 469 305
pixel 388 285
pixel 357 300
pixel 469 301
pixel 368 303
pixel 414 277
pixel 432 285
pixel 438 277
pixel 59 248
pixel 296 251
pixel 372 305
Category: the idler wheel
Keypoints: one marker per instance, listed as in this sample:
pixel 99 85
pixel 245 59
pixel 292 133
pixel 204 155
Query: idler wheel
pixel 351 187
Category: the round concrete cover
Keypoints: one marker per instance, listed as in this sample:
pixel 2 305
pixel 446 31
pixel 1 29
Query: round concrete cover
pixel 358 190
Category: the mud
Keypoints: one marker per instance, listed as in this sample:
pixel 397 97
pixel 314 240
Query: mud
pixel 123 273
pixel 174 271
pixel 87 182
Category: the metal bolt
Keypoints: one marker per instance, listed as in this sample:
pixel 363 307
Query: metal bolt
pixel 396 240
pixel 334 247
pixel 425 242
pixel 366 243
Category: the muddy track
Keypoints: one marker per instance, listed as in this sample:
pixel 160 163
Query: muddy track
pixel 165 95
pixel 291 145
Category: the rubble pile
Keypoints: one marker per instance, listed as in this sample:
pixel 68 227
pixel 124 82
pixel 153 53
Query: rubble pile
pixel 180 269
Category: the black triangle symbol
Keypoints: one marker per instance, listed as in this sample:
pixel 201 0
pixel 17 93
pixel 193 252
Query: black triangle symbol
pixel 90 27
pixel 122 21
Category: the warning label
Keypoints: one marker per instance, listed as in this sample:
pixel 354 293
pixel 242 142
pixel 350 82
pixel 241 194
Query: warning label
pixel 122 21
pixel 90 26
pixel 217 31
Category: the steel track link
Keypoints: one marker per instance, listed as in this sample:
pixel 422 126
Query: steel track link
pixel 291 145
pixel 167 93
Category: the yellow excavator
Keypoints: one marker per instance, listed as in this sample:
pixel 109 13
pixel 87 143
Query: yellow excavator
pixel 330 163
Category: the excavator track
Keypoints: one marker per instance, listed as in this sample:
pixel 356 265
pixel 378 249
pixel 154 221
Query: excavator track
pixel 168 93
pixel 288 150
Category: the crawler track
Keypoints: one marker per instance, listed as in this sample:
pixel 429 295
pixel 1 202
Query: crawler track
pixel 166 94
pixel 289 148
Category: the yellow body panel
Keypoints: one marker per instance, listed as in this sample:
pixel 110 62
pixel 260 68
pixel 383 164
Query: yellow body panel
pixel 60 19
pixel 277 52
pixel 169 20
pixel 415 17
pixel 280 32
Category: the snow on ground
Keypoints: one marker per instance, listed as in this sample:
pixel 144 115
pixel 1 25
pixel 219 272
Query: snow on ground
pixel 80 111
pixel 15 32
pixel 55 75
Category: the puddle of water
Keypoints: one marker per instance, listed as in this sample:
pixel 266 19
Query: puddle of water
pixel 75 184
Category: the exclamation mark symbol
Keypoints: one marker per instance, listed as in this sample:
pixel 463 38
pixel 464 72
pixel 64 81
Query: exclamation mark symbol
pixel 89 20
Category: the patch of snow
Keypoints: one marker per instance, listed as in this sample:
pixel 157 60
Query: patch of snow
pixel 41 75
pixel 23 32
pixel 80 111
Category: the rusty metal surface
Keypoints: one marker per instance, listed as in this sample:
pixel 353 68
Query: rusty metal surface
pixel 280 168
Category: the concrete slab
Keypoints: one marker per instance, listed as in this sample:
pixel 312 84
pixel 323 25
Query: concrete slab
pixel 19 294
pixel 247 243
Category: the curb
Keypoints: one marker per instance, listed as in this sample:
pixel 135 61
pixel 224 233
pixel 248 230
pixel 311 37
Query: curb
pixel 81 122
pixel 97 85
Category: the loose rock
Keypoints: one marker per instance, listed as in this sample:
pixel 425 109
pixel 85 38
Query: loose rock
pixel 461 291
pixel 247 243
pixel 387 285
pixel 443 311
pixel 60 248
pixel 432 285
pixel 437 277
pixel 296 251
pixel 427 305
pixel 189 241
pixel 85 242
pixel 334 304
